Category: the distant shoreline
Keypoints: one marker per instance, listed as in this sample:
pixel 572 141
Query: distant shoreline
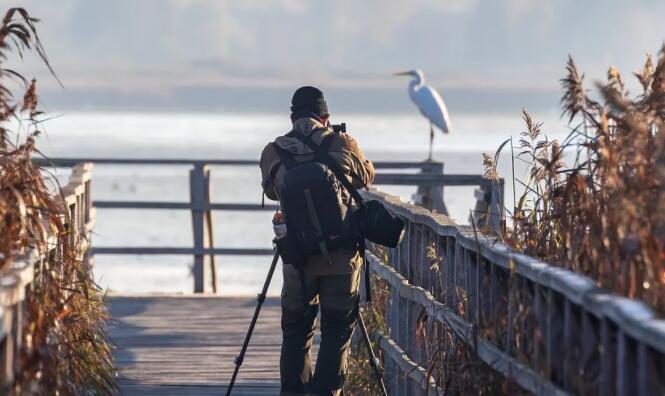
pixel 253 100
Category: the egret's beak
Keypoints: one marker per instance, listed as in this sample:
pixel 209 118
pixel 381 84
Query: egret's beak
pixel 405 73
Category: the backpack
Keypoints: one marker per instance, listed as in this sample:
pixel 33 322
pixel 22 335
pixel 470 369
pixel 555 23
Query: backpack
pixel 318 226
pixel 318 218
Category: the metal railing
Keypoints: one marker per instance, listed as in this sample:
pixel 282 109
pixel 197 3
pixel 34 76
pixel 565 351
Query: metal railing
pixel 430 181
pixel 549 330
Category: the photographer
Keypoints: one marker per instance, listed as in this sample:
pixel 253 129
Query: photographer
pixel 330 278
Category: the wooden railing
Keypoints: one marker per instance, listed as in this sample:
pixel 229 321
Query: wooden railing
pixel 547 329
pixel 430 182
pixel 16 280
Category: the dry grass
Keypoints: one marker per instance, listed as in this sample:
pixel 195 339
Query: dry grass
pixel 360 379
pixel 454 366
pixel 604 215
pixel 64 349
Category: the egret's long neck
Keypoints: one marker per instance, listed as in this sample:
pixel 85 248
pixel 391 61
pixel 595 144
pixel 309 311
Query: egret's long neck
pixel 414 85
pixel 417 80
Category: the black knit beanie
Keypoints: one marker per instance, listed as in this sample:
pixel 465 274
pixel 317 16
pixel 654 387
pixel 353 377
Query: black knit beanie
pixel 309 100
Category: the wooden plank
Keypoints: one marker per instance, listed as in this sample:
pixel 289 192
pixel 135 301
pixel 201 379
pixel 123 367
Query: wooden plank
pixel 450 271
pixel 524 376
pixel 644 387
pixel 130 388
pixel 407 179
pixel 477 292
pixel 466 270
pixel 7 349
pixel 540 325
pixel 183 250
pixel 567 355
pixel 632 316
pixel 182 206
pixel 432 196
pixel 198 178
pixel 495 209
pixel 412 371
pixel 549 333
pixel 209 226
pixel 186 345
pixel 510 325
pixel 69 162
pixel 607 360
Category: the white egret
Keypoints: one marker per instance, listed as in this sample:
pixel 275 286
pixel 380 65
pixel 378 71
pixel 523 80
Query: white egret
pixel 429 103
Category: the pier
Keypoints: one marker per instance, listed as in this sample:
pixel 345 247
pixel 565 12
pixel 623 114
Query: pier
pixel 185 345
pixel 545 330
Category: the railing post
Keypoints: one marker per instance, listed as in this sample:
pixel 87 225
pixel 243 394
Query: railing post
pixel 431 197
pixel 204 264
pixel 488 213
pixel 495 211
pixel 88 215
pixel 7 349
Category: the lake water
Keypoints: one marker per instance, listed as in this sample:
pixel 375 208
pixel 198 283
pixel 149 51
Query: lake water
pixel 239 136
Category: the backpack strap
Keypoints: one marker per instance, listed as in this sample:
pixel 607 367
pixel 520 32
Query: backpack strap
pixel 285 158
pixel 322 155
pixel 325 145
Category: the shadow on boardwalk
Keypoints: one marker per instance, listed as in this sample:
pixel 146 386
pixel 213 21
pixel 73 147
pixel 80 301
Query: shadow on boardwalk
pixel 184 345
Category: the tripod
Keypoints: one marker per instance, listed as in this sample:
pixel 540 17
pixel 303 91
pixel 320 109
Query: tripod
pixel 259 302
pixel 262 297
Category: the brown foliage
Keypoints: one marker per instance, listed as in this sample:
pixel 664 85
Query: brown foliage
pixel 605 215
pixel 64 348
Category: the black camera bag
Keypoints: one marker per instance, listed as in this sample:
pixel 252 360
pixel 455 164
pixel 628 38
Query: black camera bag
pixel 380 226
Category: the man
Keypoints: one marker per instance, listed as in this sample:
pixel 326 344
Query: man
pixel 330 282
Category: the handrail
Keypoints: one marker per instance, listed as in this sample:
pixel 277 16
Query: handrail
pixel 16 279
pixel 429 181
pixel 69 162
pixel 569 336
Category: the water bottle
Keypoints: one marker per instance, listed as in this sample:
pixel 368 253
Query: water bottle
pixel 279 224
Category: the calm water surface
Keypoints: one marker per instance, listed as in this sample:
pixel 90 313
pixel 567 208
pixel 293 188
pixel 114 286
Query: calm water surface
pixel 217 136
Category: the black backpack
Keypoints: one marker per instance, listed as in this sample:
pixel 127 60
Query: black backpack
pixel 318 218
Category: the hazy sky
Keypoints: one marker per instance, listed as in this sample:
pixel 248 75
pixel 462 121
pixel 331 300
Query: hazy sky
pixel 148 50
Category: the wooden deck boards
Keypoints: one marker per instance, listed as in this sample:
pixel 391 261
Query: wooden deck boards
pixel 186 345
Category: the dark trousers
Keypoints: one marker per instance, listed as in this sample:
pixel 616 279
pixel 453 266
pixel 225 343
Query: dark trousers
pixel 337 298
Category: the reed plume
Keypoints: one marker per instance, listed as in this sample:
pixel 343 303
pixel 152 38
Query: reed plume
pixel 64 348
pixel 603 216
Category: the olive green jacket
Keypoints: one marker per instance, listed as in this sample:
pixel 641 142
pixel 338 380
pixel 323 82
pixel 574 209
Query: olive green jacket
pixel 345 150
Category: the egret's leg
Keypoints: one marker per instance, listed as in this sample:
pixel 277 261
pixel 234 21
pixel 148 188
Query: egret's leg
pixel 431 140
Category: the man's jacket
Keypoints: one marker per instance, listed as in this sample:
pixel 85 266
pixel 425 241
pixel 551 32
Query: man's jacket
pixel 346 152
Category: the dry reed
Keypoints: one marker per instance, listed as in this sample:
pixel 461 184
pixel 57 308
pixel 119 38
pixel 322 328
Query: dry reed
pixel 604 215
pixel 64 348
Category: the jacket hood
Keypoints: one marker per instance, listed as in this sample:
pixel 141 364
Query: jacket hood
pixel 305 126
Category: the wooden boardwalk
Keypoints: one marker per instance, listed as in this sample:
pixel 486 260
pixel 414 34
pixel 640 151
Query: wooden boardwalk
pixel 185 345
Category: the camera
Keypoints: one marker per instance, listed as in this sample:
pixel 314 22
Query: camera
pixel 339 127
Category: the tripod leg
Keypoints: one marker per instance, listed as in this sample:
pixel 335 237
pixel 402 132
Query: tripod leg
pixel 373 360
pixel 368 285
pixel 260 299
